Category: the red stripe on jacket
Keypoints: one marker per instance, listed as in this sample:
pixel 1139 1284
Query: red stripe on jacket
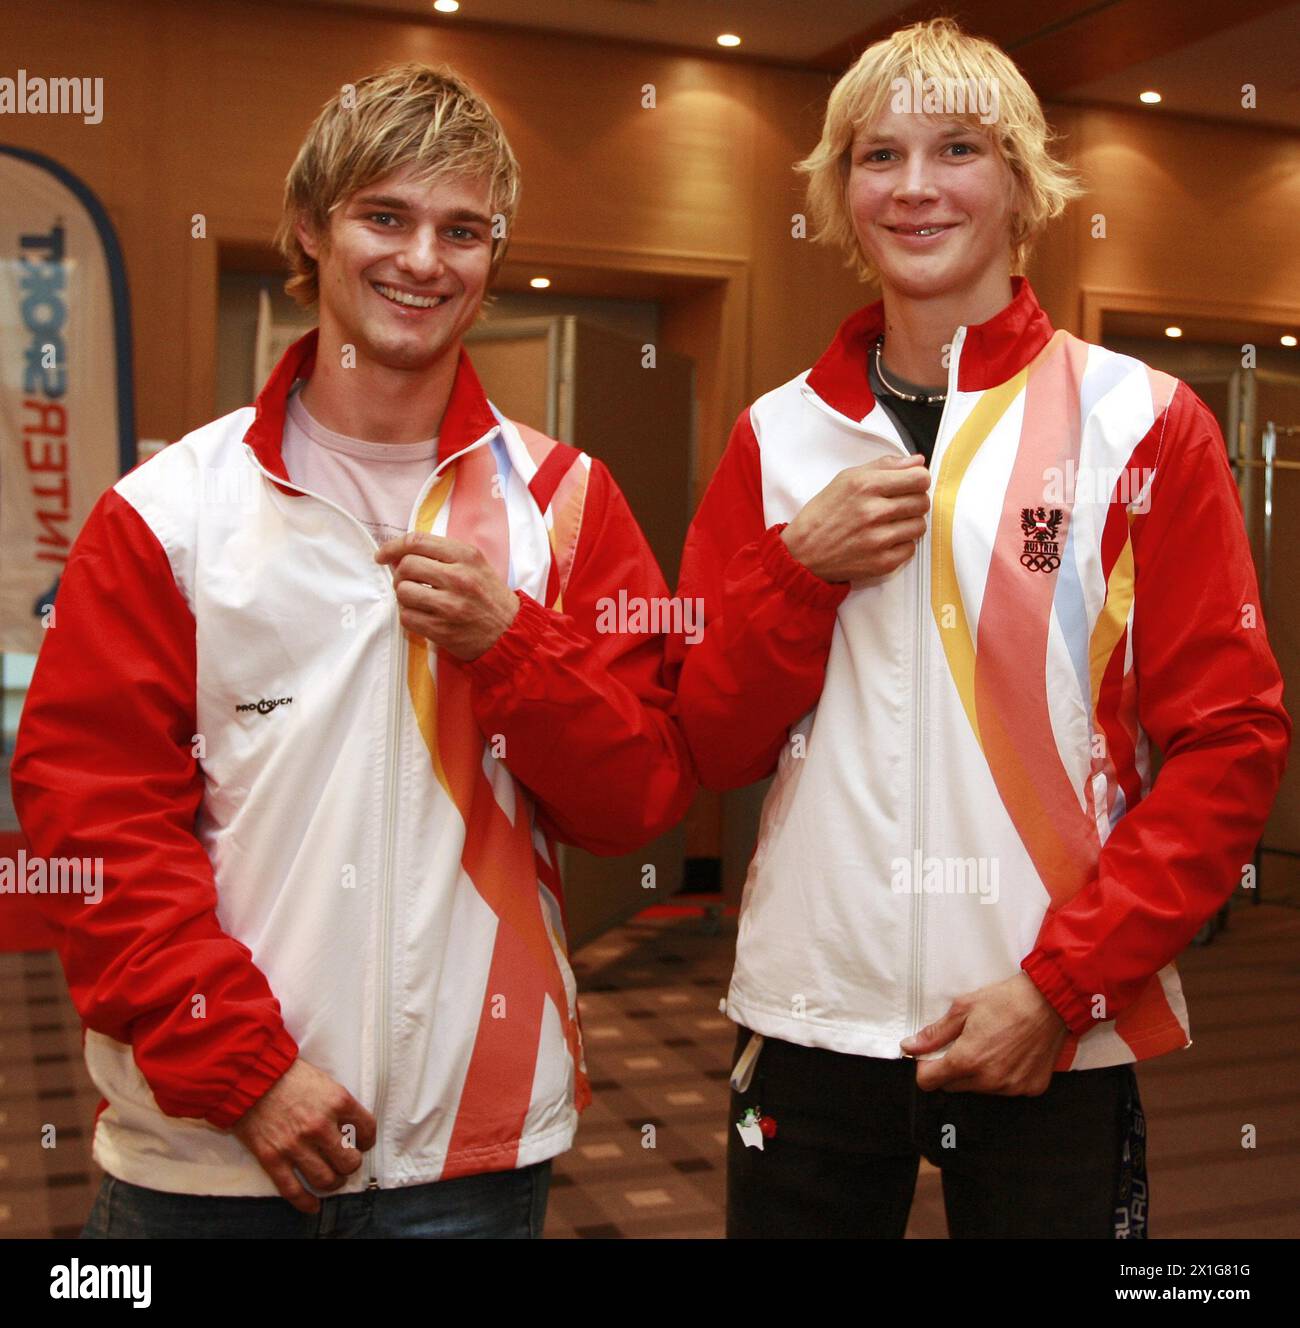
pixel 104 767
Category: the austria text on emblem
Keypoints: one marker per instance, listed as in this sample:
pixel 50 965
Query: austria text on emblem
pixel 1042 548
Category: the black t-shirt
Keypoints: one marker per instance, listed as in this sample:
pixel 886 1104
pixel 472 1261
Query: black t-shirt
pixel 917 422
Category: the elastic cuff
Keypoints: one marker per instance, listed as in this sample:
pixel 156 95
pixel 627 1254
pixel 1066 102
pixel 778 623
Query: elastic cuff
pixel 1059 992
pixel 792 577
pixel 514 646
pixel 272 1061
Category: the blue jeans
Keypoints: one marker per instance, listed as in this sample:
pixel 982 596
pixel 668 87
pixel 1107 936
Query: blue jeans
pixel 493 1204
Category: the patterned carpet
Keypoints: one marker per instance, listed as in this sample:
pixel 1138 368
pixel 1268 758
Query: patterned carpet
pixel 658 1053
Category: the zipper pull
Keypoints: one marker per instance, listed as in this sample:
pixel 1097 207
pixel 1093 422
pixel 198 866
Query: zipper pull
pixel 744 1071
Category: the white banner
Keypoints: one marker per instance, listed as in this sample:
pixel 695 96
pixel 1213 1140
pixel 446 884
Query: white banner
pixel 67 428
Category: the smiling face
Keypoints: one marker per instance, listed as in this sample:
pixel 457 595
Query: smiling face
pixel 931 202
pixel 404 268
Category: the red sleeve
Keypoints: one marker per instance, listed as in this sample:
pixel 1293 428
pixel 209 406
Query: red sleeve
pixel 761 663
pixel 583 710
pixel 104 769
pixel 1210 696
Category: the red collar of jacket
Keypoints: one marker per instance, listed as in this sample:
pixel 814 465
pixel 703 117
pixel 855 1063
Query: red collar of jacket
pixel 467 417
pixel 992 352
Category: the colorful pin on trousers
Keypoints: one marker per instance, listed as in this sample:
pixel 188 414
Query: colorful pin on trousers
pixel 754 1127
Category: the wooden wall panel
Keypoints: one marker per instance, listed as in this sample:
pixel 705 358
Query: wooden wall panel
pixel 205 104
pixel 1193 210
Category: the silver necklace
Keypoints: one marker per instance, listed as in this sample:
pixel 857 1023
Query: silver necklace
pixel 925 398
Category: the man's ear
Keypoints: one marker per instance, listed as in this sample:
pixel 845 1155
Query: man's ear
pixel 306 237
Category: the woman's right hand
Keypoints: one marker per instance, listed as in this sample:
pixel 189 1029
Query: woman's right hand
pixel 865 522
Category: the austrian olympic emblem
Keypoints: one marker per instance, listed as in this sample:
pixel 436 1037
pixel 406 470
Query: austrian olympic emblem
pixel 1042 548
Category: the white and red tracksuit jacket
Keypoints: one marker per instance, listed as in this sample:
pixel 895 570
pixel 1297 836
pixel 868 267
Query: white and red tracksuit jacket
pixel 962 748
pixel 321 837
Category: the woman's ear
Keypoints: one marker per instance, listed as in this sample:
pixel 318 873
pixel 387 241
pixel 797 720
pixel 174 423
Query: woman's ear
pixel 1015 209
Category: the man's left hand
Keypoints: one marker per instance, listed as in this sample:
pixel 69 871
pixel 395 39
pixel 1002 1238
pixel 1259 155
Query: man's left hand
pixel 448 593
pixel 1004 1038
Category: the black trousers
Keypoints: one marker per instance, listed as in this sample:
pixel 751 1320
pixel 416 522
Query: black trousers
pixel 849 1132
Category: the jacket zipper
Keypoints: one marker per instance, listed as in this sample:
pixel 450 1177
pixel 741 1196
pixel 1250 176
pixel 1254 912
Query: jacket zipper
pixel 921 563
pixel 914 995
pixel 915 1000
pixel 373 1160
pixel 397 653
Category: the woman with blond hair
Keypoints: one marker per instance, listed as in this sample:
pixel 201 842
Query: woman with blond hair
pixel 958 578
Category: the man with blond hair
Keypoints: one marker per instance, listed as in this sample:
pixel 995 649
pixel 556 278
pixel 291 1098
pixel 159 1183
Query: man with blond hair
pixel 324 690
pixel 958 578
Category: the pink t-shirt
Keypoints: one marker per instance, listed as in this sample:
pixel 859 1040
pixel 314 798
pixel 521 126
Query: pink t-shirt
pixel 377 483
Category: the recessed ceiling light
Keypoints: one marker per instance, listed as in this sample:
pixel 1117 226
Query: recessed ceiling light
pixel 1288 340
pixel 540 283
pixel 1173 331
pixel 446 6
pixel 1150 98
pixel 728 39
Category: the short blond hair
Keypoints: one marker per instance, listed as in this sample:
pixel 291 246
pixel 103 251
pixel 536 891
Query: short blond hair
pixel 409 114
pixel 937 49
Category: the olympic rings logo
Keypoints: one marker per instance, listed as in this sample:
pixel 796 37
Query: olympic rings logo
pixel 1040 562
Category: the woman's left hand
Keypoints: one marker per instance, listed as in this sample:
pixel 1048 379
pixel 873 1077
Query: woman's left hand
pixel 1003 1038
